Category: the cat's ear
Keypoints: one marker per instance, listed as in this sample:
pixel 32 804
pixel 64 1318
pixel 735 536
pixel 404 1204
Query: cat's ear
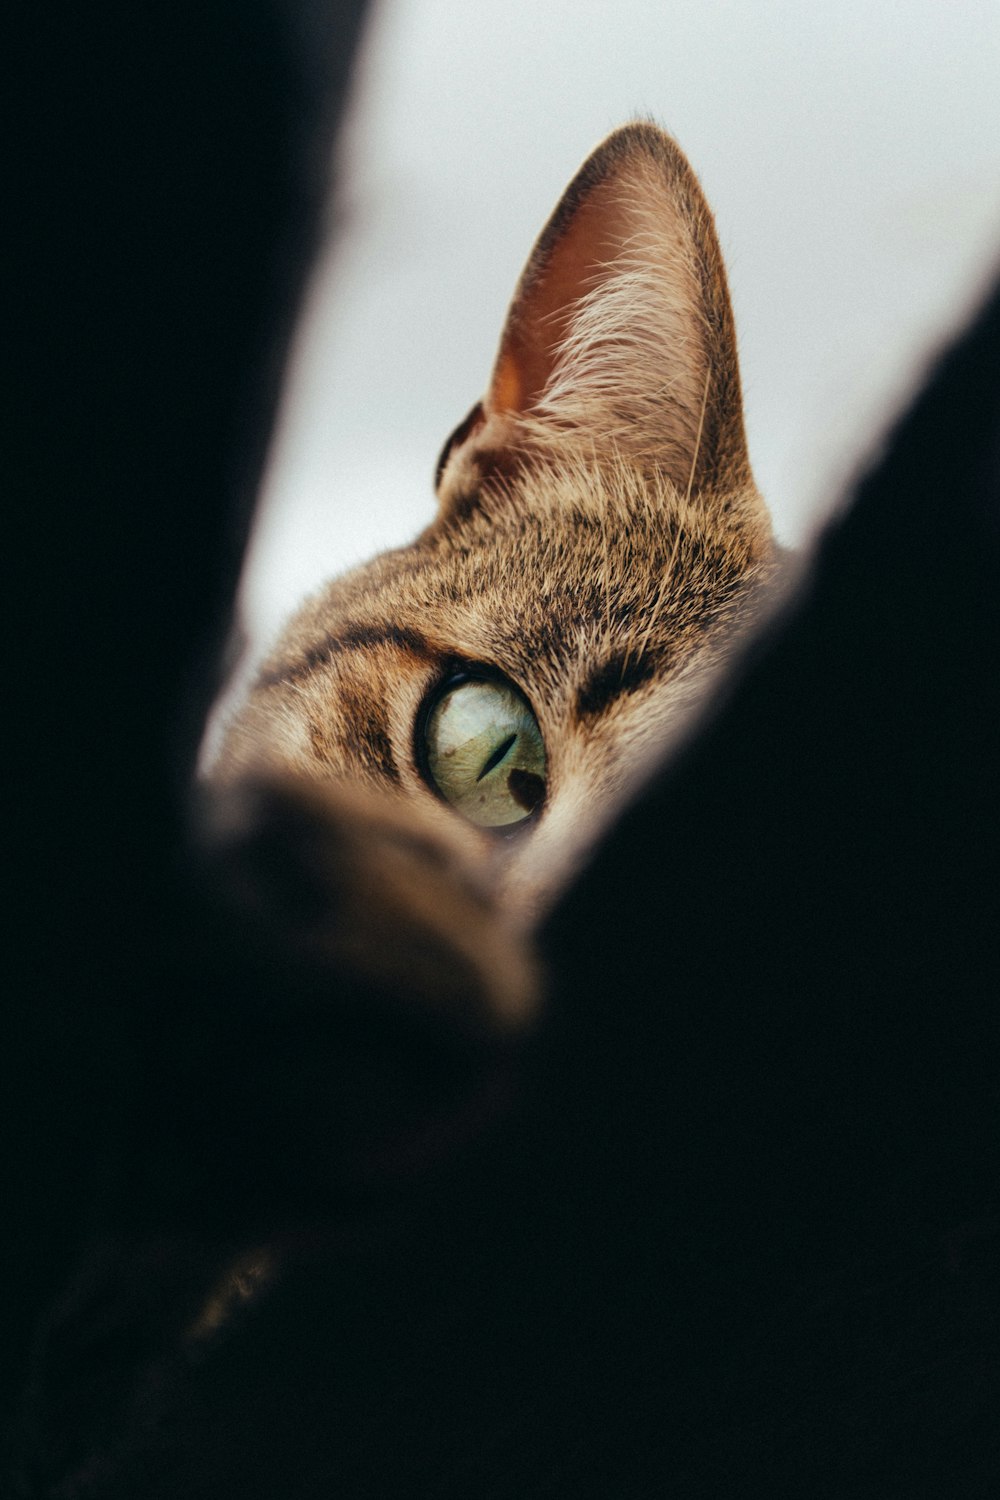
pixel 620 335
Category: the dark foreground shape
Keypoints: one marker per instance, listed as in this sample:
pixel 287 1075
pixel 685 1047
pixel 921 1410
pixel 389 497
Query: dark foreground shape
pixel 167 169
pixel 727 1224
pixel 795 1067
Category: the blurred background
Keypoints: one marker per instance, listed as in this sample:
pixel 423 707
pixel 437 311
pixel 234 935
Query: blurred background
pixel 851 154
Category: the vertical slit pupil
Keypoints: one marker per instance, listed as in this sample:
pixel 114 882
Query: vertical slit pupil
pixel 497 756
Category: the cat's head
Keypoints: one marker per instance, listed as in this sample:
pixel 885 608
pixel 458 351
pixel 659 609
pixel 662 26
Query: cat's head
pixel 598 537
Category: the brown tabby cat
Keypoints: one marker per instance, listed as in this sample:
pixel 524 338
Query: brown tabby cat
pixel 500 684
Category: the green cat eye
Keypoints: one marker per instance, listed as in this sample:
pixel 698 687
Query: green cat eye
pixel 483 751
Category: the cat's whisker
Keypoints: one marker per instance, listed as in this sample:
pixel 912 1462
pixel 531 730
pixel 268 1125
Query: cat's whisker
pixel 661 594
pixel 668 574
pixel 606 581
pixel 698 435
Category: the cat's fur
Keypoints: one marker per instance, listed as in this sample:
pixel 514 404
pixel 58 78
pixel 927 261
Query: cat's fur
pixel 598 536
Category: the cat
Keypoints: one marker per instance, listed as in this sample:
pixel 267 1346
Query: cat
pixel 598 544
pixel 721 1220
pixel 440 736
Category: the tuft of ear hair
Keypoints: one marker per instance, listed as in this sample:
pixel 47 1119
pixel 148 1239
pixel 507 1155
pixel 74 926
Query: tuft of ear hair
pixel 620 336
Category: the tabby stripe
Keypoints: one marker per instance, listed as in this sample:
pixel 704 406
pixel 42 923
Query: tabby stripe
pixel 370 743
pixel 351 637
pixel 364 735
pixel 611 678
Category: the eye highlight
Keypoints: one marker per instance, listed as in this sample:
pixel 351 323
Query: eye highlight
pixel 482 751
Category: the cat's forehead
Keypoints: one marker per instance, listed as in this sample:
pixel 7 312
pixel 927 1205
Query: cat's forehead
pixel 528 587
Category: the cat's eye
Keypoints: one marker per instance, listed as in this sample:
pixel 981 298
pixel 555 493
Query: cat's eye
pixel 482 750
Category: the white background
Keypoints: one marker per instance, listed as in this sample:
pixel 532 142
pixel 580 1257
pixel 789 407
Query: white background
pixel 851 153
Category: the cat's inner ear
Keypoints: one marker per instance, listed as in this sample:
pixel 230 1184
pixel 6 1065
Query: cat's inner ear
pixel 620 335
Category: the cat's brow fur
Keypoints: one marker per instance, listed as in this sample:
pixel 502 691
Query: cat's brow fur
pixel 598 536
